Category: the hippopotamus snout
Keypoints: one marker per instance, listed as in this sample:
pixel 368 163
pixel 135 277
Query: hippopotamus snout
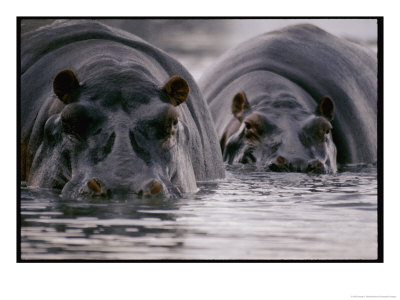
pixel 281 164
pixel 151 188
pixel 109 189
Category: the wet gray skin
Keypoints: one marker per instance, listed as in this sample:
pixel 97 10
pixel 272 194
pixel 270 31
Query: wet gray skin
pixel 111 116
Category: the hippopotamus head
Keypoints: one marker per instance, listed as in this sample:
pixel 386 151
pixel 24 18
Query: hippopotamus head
pixel 117 133
pixel 281 135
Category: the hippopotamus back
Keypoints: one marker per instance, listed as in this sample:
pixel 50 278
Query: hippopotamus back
pixel 110 66
pixel 316 64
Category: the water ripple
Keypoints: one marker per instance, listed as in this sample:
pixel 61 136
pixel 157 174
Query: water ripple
pixel 248 215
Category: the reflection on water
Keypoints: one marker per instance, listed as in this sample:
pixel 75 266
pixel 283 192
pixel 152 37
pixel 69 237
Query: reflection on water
pixel 248 215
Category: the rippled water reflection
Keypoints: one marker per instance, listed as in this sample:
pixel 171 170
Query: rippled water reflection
pixel 249 215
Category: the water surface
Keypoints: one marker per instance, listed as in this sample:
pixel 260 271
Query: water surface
pixel 248 215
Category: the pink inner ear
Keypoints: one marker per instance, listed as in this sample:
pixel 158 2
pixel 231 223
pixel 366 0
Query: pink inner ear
pixel 239 105
pixel 326 108
pixel 64 85
pixel 177 90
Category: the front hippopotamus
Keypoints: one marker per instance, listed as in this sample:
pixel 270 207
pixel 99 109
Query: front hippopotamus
pixel 298 99
pixel 104 113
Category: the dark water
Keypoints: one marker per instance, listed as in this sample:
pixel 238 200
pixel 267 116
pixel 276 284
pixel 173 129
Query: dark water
pixel 248 215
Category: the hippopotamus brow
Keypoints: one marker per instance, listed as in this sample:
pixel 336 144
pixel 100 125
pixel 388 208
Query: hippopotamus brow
pixel 286 103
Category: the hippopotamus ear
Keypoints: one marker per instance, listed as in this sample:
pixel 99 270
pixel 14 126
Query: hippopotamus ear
pixel 177 90
pixel 65 85
pixel 240 105
pixel 326 108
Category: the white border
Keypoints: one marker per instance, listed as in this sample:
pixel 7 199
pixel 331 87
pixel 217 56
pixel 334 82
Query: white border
pixel 198 281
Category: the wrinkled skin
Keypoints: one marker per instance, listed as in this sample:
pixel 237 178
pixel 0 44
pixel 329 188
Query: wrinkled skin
pixel 295 100
pixel 115 121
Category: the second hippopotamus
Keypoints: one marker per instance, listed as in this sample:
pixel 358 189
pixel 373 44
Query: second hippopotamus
pixel 297 99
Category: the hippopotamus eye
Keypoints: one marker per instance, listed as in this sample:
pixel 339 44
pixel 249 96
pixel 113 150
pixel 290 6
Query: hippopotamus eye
pixel 168 128
pixel 75 119
pixel 167 123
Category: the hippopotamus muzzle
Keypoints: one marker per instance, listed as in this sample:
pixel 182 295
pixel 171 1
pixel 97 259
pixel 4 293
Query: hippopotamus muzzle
pixel 96 188
pixel 280 164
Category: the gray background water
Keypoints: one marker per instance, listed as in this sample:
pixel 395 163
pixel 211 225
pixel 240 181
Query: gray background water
pixel 247 215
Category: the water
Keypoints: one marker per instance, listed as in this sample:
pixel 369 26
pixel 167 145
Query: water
pixel 248 215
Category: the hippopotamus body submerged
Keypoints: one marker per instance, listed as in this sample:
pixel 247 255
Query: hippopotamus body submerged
pixel 298 99
pixel 103 112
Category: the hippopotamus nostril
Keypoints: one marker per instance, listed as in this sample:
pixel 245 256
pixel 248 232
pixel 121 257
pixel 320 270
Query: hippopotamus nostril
pixel 98 188
pixel 156 188
pixel 316 167
pixel 281 160
pixel 280 164
pixel 94 185
pixel 152 188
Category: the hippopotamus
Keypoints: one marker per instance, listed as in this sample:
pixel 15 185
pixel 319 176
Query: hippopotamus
pixel 297 99
pixel 104 113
